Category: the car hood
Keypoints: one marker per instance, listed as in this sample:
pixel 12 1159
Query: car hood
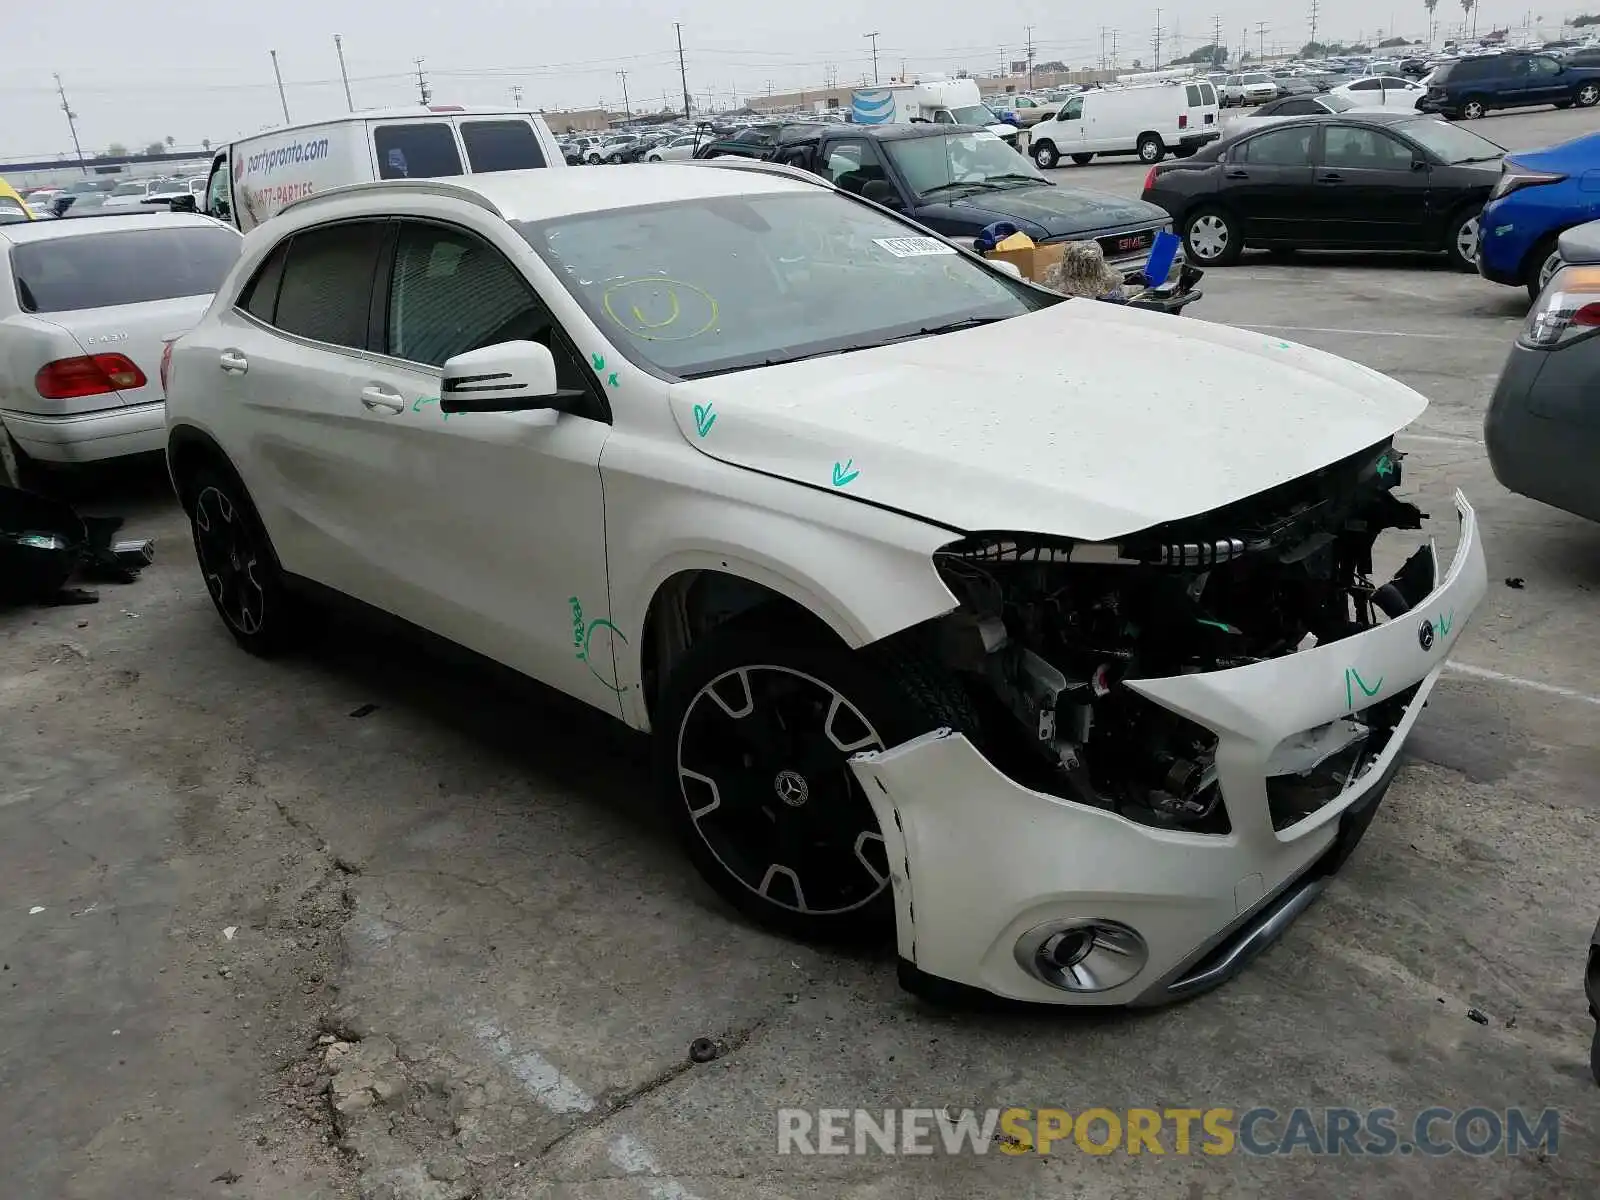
pixel 1580 154
pixel 1085 420
pixel 1057 209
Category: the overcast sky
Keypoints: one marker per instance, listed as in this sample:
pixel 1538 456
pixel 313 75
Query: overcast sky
pixel 139 72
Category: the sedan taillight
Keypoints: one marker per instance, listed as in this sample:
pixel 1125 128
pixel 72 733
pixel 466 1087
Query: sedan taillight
pixel 90 375
pixel 1568 308
pixel 1150 179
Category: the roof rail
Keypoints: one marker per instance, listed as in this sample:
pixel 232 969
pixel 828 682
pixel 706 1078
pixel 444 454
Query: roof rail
pixel 427 187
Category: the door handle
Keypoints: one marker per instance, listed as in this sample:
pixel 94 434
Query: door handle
pixel 1330 177
pixel 1238 175
pixel 380 399
pixel 233 362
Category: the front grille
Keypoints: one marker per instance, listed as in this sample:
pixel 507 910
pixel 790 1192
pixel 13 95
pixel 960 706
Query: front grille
pixel 1125 245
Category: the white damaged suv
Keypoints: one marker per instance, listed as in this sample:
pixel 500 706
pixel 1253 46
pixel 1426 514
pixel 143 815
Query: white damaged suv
pixel 1071 672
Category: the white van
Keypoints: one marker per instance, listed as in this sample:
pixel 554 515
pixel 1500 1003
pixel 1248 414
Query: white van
pixel 1148 119
pixel 254 178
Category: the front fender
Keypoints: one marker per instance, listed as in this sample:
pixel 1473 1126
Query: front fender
pixel 864 571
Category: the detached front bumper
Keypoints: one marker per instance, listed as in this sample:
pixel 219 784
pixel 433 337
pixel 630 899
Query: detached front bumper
pixel 985 870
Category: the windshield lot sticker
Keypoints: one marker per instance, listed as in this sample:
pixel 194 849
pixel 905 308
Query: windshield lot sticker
pixel 583 636
pixel 704 418
pixel 845 472
pixel 657 309
pixel 1351 675
pixel 914 247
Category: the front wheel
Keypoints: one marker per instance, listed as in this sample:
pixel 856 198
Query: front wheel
pixel 1587 96
pixel 1211 236
pixel 1044 156
pixel 1472 110
pixel 1461 243
pixel 239 566
pixel 1151 148
pixel 752 740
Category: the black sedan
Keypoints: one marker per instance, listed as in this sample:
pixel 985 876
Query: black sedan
pixel 1374 181
pixel 1542 430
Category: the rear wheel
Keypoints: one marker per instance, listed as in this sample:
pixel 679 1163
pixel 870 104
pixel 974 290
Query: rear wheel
pixel 1461 243
pixel 753 736
pixel 1212 237
pixel 1587 95
pixel 1151 148
pixel 1045 156
pixel 1543 263
pixel 1472 108
pixel 239 566
pixel 17 470
pixel 1083 160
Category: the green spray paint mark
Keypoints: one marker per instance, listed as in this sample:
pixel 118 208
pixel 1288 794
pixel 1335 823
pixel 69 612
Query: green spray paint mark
pixel 1222 625
pixel 612 379
pixel 583 634
pixel 704 418
pixel 599 361
pixel 1445 621
pixel 844 473
pixel 421 400
pixel 1285 346
pixel 1385 466
pixel 1350 673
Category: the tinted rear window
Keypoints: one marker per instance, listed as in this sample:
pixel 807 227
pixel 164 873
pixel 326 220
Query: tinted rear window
pixel 425 150
pixel 501 145
pixel 129 266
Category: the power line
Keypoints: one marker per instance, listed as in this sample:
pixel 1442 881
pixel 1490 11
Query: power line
pixel 874 36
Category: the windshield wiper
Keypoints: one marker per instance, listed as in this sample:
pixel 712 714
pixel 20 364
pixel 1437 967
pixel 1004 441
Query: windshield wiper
pixel 1479 158
pixel 948 327
pixel 1017 175
pixel 958 183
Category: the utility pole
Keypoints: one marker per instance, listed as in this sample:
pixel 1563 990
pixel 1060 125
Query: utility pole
pixel 874 38
pixel 516 95
pixel 423 91
pixel 1115 62
pixel 1029 29
pixel 72 123
pixel 1216 39
pixel 282 99
pixel 1155 42
pixel 627 111
pixel 1102 47
pixel 683 75
pixel 338 46
pixel 1261 40
pixel 1313 20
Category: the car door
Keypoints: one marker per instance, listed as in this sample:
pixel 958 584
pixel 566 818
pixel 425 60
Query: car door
pixel 490 524
pixel 1267 181
pixel 1547 81
pixel 1068 130
pixel 1369 192
pixel 293 359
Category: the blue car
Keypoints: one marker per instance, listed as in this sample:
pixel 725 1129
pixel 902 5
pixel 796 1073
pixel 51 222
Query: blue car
pixel 1540 194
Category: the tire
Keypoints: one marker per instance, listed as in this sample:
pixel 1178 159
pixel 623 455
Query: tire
pixel 1461 242
pixel 1587 95
pixel 17 470
pixel 239 566
pixel 1044 155
pixel 1542 264
pixel 1151 148
pixel 1183 152
pixel 792 794
pixel 1211 237
pixel 1083 160
pixel 1472 109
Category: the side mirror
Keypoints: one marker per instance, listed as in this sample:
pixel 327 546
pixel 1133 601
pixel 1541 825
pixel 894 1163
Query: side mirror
pixel 881 191
pixel 506 377
pixel 1419 164
pixel 184 203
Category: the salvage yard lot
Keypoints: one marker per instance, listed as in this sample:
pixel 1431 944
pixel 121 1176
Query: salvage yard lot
pixel 466 881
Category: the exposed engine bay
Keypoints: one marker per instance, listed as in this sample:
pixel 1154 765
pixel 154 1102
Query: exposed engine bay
pixel 1049 629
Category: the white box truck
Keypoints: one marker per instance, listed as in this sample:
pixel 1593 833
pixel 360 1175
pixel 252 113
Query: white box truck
pixel 927 98
pixel 254 178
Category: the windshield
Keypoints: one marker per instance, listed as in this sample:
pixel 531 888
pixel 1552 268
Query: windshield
pixel 973 114
pixel 698 287
pixel 979 159
pixel 129 189
pixel 1257 78
pixel 1451 143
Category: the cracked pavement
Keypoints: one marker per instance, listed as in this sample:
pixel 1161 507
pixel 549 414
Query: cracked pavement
pixel 467 960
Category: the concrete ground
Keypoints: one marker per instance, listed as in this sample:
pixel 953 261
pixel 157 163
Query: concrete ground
pixel 363 923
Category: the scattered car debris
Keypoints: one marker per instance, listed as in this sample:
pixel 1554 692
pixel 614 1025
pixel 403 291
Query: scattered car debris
pixel 702 1050
pixel 1515 582
pixel 230 931
pixel 228 1177
pixel 366 710
pixel 45 543
pixel 1474 1014
pixel 36 910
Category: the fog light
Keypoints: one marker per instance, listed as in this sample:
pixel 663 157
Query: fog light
pixel 1086 955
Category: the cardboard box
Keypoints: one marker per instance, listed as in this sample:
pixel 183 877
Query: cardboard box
pixel 1032 262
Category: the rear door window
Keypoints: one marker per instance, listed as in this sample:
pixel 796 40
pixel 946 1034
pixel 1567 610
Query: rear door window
pixel 327 283
pixel 501 146
pixel 418 150
pixel 1279 148
pixel 1208 94
pixel 1193 93
pixel 132 266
